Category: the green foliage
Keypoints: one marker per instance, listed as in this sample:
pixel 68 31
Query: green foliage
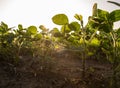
pixel 114 16
pixel 95 42
pixel 103 22
pixel 20 27
pixel 56 33
pixel 38 36
pixel 73 35
pixel 16 40
pixel 74 26
pixel 65 29
pixel 6 36
pixel 60 19
pixel 78 17
pixel 32 30
pixel 43 28
pixel 103 14
pixel 7 53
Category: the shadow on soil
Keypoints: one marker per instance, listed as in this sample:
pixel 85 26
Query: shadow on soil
pixel 63 70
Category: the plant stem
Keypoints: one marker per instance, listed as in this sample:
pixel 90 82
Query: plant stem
pixel 92 36
pixel 114 83
pixel 84 52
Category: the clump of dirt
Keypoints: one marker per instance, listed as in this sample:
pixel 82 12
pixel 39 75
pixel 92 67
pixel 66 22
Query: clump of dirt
pixel 62 70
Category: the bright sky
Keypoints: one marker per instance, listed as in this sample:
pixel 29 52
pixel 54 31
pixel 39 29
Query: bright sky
pixel 40 12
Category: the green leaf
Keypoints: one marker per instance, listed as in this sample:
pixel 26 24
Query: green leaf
pixel 71 38
pixel 81 41
pixel 38 36
pixel 32 30
pixel 103 14
pixel 10 37
pixel 55 32
pixel 65 29
pixel 1 30
pixel 95 42
pixel 4 25
pixel 97 19
pixel 43 28
pixel 115 15
pixel 60 19
pixel 75 26
pixel 78 17
pixel 93 23
pixel 106 27
pixel 20 27
pixel 118 31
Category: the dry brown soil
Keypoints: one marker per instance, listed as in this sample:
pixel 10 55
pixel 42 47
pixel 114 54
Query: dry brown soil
pixel 63 70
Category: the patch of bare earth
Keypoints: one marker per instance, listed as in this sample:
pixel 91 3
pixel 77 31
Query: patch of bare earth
pixel 63 70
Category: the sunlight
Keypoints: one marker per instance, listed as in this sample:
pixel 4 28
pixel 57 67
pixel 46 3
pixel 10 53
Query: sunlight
pixel 36 12
pixel 76 55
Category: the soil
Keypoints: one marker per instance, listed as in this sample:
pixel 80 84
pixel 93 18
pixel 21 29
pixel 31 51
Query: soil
pixel 62 70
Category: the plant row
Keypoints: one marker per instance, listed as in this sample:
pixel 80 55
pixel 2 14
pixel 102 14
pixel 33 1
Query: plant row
pixel 96 39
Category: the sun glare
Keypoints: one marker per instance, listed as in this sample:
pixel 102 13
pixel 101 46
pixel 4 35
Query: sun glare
pixel 37 12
